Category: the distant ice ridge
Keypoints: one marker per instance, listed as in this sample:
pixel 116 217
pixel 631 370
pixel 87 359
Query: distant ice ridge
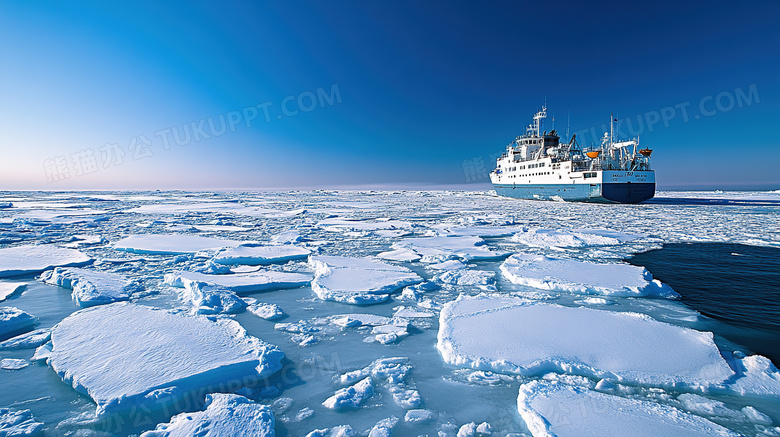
pixel 438 249
pixel 126 355
pixel 542 237
pixel 92 287
pixel 18 423
pixel 242 282
pixel 583 277
pixel 260 255
pixel 171 244
pixel 21 260
pixel 358 281
pixel 15 321
pixel 512 335
pixel 225 415
pixel 553 409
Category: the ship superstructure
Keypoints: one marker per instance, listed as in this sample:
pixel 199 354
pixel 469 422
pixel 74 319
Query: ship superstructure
pixel 538 165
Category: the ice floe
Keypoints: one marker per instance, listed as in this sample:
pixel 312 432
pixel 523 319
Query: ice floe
pixel 18 423
pixel 514 335
pixel 15 321
pixel 260 255
pixel 351 397
pixel 171 244
pixel 268 311
pixel 225 415
pixel 393 374
pixel 21 260
pixel 27 340
pixel 552 409
pixel 208 298
pixel 92 287
pixel 574 276
pixel 358 280
pixel 13 363
pixel 242 282
pixel 438 249
pixel 8 289
pixel 125 355
pixel 543 237
pixel 383 428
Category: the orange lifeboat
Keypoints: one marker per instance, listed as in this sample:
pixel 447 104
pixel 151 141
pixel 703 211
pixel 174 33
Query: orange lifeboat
pixel 645 152
pixel 593 154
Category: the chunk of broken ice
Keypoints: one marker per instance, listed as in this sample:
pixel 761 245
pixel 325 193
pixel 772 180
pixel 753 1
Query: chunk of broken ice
pixel 260 255
pixel 242 282
pixel 358 280
pixel 171 244
pixel 21 260
pixel 15 321
pixel 92 287
pixel 126 355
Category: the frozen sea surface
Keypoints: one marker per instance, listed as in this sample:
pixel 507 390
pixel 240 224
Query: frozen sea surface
pixel 351 287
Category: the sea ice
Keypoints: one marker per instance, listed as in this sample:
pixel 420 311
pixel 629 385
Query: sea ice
pixel 27 340
pixel 399 255
pixel 552 409
pixel 8 289
pixel 351 397
pixel 392 374
pixel 438 249
pixel 210 298
pixel 15 321
pixel 13 363
pixel 126 355
pixel 583 277
pixel 358 281
pixel 542 237
pixel 466 277
pixel 383 428
pixel 260 255
pixel 21 260
pixel 18 423
pixel 171 244
pixel 225 415
pixel 92 287
pixel 268 311
pixel 512 335
pixel 419 415
pixel 242 282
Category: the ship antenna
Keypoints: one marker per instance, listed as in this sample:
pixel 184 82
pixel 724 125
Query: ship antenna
pixel 568 123
pixel 611 131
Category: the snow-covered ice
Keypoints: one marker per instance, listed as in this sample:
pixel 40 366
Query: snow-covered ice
pixel 358 280
pixel 242 282
pixel 8 289
pixel 438 249
pixel 260 255
pixel 352 396
pixel 126 355
pixel 21 260
pixel 225 415
pixel 583 277
pixel 15 321
pixel 18 423
pixel 92 287
pixel 207 298
pixel 13 363
pixel 27 340
pixel 552 409
pixel 543 237
pixel 171 244
pixel 268 311
pixel 514 335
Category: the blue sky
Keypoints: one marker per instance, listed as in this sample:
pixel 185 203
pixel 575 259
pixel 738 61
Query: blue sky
pixel 376 94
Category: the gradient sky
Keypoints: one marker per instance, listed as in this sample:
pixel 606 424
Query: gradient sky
pixel 423 93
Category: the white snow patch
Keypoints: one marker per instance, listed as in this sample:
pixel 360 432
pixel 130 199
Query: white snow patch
pixel 225 415
pixel 439 249
pixel 242 282
pixel 125 355
pixel 92 287
pixel 21 260
pixel 583 277
pixel 513 335
pixel 171 244
pixel 358 280
pixel 552 409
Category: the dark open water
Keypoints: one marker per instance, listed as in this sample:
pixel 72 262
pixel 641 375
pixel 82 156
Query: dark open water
pixel 735 284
